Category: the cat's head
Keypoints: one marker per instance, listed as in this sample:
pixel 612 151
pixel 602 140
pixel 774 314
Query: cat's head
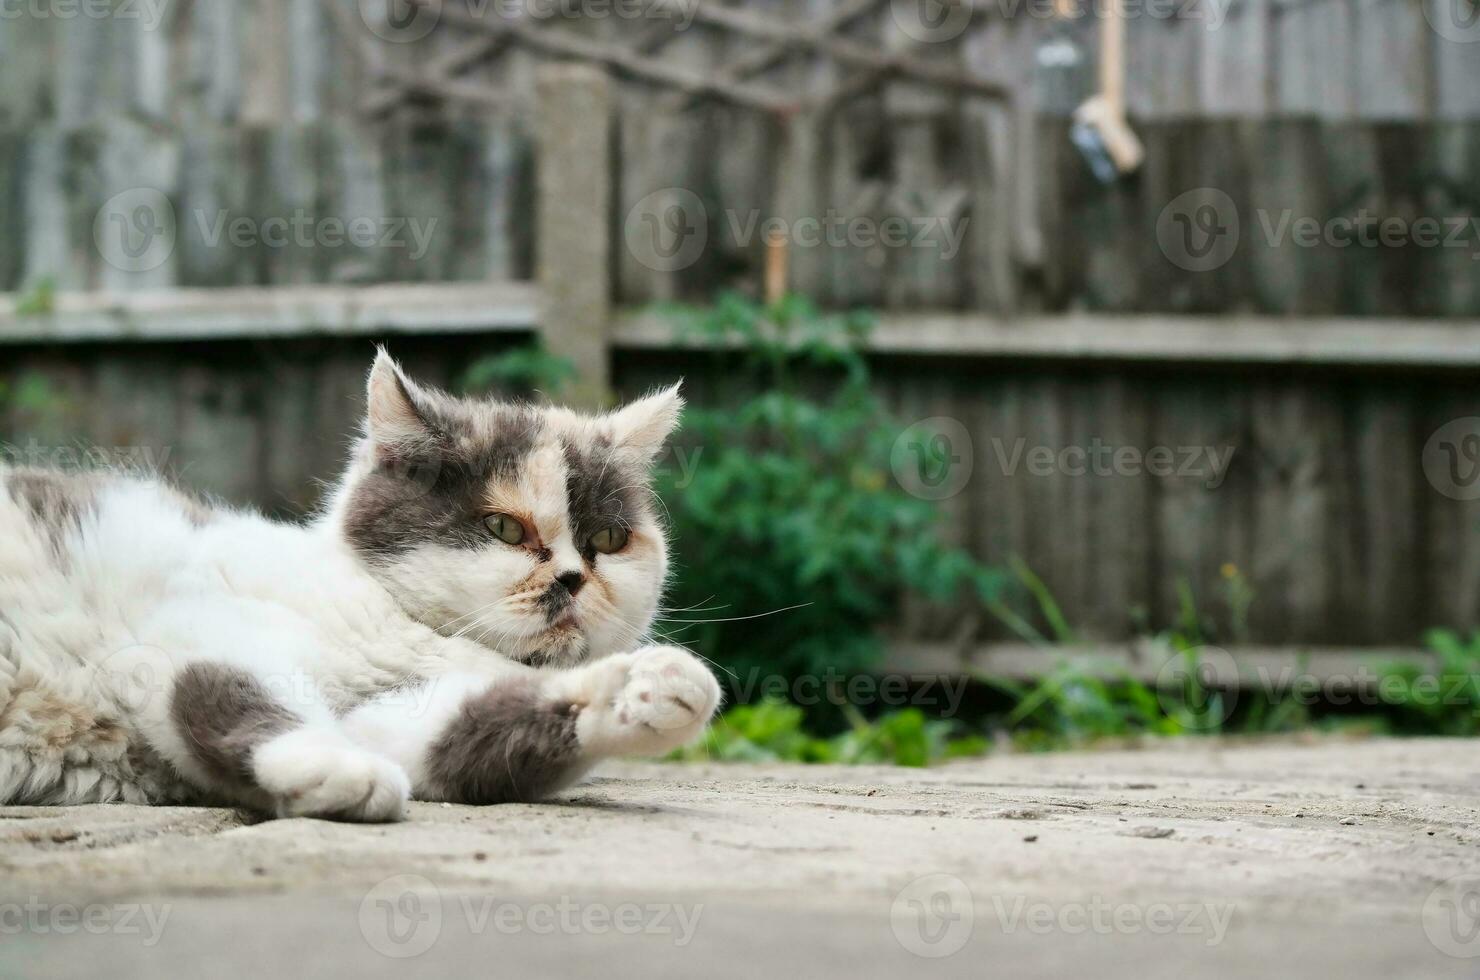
pixel 529 529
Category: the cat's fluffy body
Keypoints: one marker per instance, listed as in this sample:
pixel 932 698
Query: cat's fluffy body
pixel 155 649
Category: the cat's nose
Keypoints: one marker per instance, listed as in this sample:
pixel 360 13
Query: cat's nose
pixel 572 581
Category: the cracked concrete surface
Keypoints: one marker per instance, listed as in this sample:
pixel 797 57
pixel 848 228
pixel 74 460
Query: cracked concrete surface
pixel 1191 859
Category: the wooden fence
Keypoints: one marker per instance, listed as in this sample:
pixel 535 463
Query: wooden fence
pixel 1063 323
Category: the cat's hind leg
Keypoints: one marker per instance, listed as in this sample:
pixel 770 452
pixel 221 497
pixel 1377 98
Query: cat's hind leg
pixel 229 705
pixel 522 736
pixel 282 753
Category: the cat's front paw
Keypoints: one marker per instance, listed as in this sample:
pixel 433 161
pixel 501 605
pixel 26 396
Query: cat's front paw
pixel 662 698
pixel 313 773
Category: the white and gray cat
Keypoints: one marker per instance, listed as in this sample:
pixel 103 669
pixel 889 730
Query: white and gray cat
pixel 465 621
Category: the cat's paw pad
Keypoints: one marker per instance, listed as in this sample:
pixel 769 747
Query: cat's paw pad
pixel 319 774
pixel 664 701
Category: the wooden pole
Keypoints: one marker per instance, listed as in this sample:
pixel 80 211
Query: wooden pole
pixel 573 138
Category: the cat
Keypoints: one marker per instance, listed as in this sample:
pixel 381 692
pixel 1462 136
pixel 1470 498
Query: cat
pixel 464 620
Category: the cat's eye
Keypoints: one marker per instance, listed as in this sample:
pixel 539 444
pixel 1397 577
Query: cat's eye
pixel 507 529
pixel 609 539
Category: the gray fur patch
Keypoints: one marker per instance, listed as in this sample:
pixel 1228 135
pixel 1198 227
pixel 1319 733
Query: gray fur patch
pixel 223 713
pixel 508 745
pixel 602 489
pixel 57 502
pixel 436 492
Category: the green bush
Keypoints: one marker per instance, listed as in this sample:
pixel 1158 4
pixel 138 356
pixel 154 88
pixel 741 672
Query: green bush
pixel 787 506
pixel 773 731
pixel 1446 702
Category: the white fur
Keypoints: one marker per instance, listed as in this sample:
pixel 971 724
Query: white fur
pixel 93 633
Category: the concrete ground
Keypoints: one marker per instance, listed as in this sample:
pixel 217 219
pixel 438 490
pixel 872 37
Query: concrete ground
pixel 1330 858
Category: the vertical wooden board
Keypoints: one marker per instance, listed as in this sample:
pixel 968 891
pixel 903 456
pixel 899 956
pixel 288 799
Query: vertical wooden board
pixel 1234 69
pixel 1288 189
pixel 505 176
pixel 1314 64
pixel 12 208
pixel 265 62
pixel 310 48
pixel 84 73
pixel 1455 48
pixel 1296 439
pixel 1118 543
pixel 1392 51
pixel 929 190
pixel 28 50
pixel 352 189
pixel 743 170
pixel 1354 175
pixel 1000 163
pixel 133 160
pixel 1380 491
pixel 47 249
pixel 214 193
pixel 1163 58
pixel 289 208
pixel 1450 572
pixel 292 457
pixel 1193 517
pixel 857 161
pixel 208 83
pixel 134 412
pixel 1052 517
pixel 1405 161
pixel 1451 281
pixel 1000 493
pixel 1060 168
pixel 220 432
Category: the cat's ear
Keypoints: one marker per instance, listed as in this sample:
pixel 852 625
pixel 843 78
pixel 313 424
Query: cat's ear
pixel 396 415
pixel 642 427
